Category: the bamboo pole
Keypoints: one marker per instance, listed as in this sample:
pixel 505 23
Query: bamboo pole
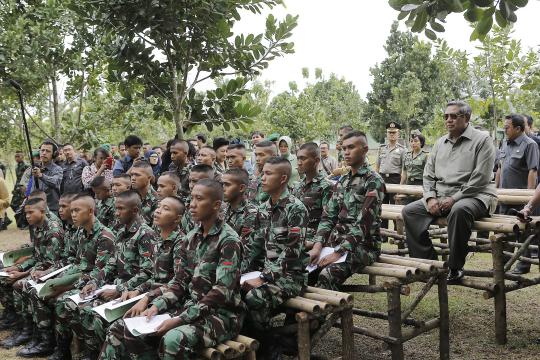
pixel 332 300
pixel 438 264
pixel 417 190
pixel 301 304
pixel 227 351
pixel 238 346
pixel 430 325
pixel 519 252
pixel 211 354
pixel 251 344
pixel 372 334
pixel 384 316
pixel 304 346
pixel 444 318
pixel 347 337
pixel 500 296
pixel 523 258
pixel 344 295
pixel 394 322
pixel 410 269
pixel 407 262
pixel 425 289
pixel 398 273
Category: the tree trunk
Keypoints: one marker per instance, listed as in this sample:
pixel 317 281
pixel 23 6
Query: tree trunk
pixel 56 115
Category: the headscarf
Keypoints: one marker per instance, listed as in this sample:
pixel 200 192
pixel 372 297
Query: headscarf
pixel 157 167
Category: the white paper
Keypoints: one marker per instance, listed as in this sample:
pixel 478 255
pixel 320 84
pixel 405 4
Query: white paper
pixel 324 253
pixel 3 273
pixel 2 257
pixel 140 326
pixel 53 274
pixel 101 310
pixel 248 276
pixel 36 285
pixel 111 305
pixel 78 300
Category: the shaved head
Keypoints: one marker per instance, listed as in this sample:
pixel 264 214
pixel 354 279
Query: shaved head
pixel 85 200
pixel 36 203
pixel 176 203
pixel 282 165
pixel 130 198
pixel 215 188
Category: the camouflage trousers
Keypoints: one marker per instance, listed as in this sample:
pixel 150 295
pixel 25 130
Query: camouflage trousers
pixel 21 299
pixel 66 314
pixel 182 342
pixel 263 301
pixel 334 275
pixel 6 294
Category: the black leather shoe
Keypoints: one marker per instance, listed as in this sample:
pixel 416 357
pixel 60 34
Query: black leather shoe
pixel 18 338
pixel 11 320
pixel 61 351
pixel 455 276
pixel 520 271
pixel 45 347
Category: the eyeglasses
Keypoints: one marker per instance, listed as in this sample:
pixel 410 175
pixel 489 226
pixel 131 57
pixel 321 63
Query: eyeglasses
pixel 452 116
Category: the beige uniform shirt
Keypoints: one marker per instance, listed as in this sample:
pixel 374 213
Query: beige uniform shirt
pixel 462 168
pixel 390 161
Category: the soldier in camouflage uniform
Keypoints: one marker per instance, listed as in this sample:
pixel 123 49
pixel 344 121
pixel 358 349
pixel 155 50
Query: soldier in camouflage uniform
pixel 179 164
pixel 105 201
pixel 198 172
pixel 206 279
pixel 40 194
pixel 95 246
pixel 168 184
pixel 313 189
pixel 141 181
pixel 130 267
pixel 278 240
pixel 239 214
pixel 263 151
pixel 48 246
pixel 18 191
pixel 351 220
pixel 120 183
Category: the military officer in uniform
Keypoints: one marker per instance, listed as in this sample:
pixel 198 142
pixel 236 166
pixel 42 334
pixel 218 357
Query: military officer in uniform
pixel 414 161
pixel 390 161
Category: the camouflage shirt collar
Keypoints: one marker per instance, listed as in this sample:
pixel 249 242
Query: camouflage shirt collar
pixel 214 230
pixel 283 198
pixel 239 209
pixel 362 170
pixel 317 179
pixel 173 235
pixel 46 224
pixel 135 225
pixel 95 228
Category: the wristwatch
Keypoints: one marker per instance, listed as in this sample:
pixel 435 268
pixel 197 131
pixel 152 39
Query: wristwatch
pixel 338 249
pixel 265 277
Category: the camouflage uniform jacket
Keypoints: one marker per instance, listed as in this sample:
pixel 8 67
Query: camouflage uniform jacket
pixel 414 165
pixel 165 251
pixel 94 250
pixel 278 239
pixel 70 244
pixel 53 217
pixel 314 195
pixel 206 276
pixel 242 219
pixel 48 246
pixel 187 222
pixel 255 194
pixel 132 264
pixel 183 174
pixel 19 171
pixel 149 205
pixel 352 217
pixel 105 212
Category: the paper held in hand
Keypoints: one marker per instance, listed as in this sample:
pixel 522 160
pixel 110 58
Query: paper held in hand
pixel 113 310
pixel 248 276
pixel 4 274
pixel 54 273
pixel 78 300
pixel 140 326
pixel 324 253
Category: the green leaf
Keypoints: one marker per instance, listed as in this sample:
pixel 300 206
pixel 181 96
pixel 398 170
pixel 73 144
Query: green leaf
pixel 436 26
pixel 518 3
pixel 483 3
pixel 420 21
pixel 501 21
pixel 484 25
pixel 430 34
pixel 402 15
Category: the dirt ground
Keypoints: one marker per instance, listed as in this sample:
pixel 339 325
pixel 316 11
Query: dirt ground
pixel 472 334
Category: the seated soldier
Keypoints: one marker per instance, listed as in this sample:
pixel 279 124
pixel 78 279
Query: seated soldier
pixel 48 244
pixel 141 181
pixel 105 201
pixel 278 242
pixel 205 285
pixel 130 266
pixel 313 189
pixel 351 221
pixel 236 156
pixel 263 151
pixel 40 194
pixel 120 184
pixel 198 172
pixel 240 214
pixel 179 164
pixel 207 156
pixel 94 246
pixel 168 185
pixel 40 320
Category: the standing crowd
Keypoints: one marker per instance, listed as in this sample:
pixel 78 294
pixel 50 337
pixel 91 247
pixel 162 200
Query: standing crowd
pixel 180 223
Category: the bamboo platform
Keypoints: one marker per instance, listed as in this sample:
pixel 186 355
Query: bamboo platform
pixel 509 241
pixel 399 273
pixel 242 347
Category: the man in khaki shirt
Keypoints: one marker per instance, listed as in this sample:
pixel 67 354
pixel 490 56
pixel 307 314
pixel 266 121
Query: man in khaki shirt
pixel 457 185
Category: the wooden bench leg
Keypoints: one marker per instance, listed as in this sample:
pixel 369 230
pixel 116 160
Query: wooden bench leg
pixel 304 343
pixel 347 336
pixel 500 294
pixel 394 321
pixel 444 328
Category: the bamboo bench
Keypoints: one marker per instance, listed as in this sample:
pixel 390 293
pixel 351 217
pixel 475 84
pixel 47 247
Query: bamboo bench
pixel 507 233
pixel 399 273
pixel 308 310
pixel 242 347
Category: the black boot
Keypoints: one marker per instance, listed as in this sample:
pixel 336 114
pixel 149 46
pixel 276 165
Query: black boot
pixel 45 347
pixel 62 350
pixel 20 337
pixel 89 355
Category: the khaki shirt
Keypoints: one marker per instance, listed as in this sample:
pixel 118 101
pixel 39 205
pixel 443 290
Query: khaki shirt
pixel 390 161
pixel 462 168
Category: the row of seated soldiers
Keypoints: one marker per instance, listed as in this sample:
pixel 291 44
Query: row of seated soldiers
pixel 187 255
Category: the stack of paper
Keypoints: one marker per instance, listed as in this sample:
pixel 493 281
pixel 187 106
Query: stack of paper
pixel 324 253
pixel 48 288
pixel 4 274
pixel 115 309
pixel 78 300
pixel 248 276
pixel 9 257
pixel 140 326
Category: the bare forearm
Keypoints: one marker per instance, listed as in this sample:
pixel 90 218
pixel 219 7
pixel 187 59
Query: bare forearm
pixel 531 179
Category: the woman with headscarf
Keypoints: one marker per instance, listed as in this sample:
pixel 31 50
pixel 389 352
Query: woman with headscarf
pixel 286 150
pixel 155 161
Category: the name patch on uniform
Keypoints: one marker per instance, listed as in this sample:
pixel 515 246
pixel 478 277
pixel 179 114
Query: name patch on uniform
pixel 295 230
pixel 226 263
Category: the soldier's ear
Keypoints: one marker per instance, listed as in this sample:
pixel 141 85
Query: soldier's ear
pixel 243 188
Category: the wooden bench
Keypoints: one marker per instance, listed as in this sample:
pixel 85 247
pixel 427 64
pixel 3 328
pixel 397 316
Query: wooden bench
pixel 507 233
pixel 242 347
pixel 309 309
pixel 399 273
